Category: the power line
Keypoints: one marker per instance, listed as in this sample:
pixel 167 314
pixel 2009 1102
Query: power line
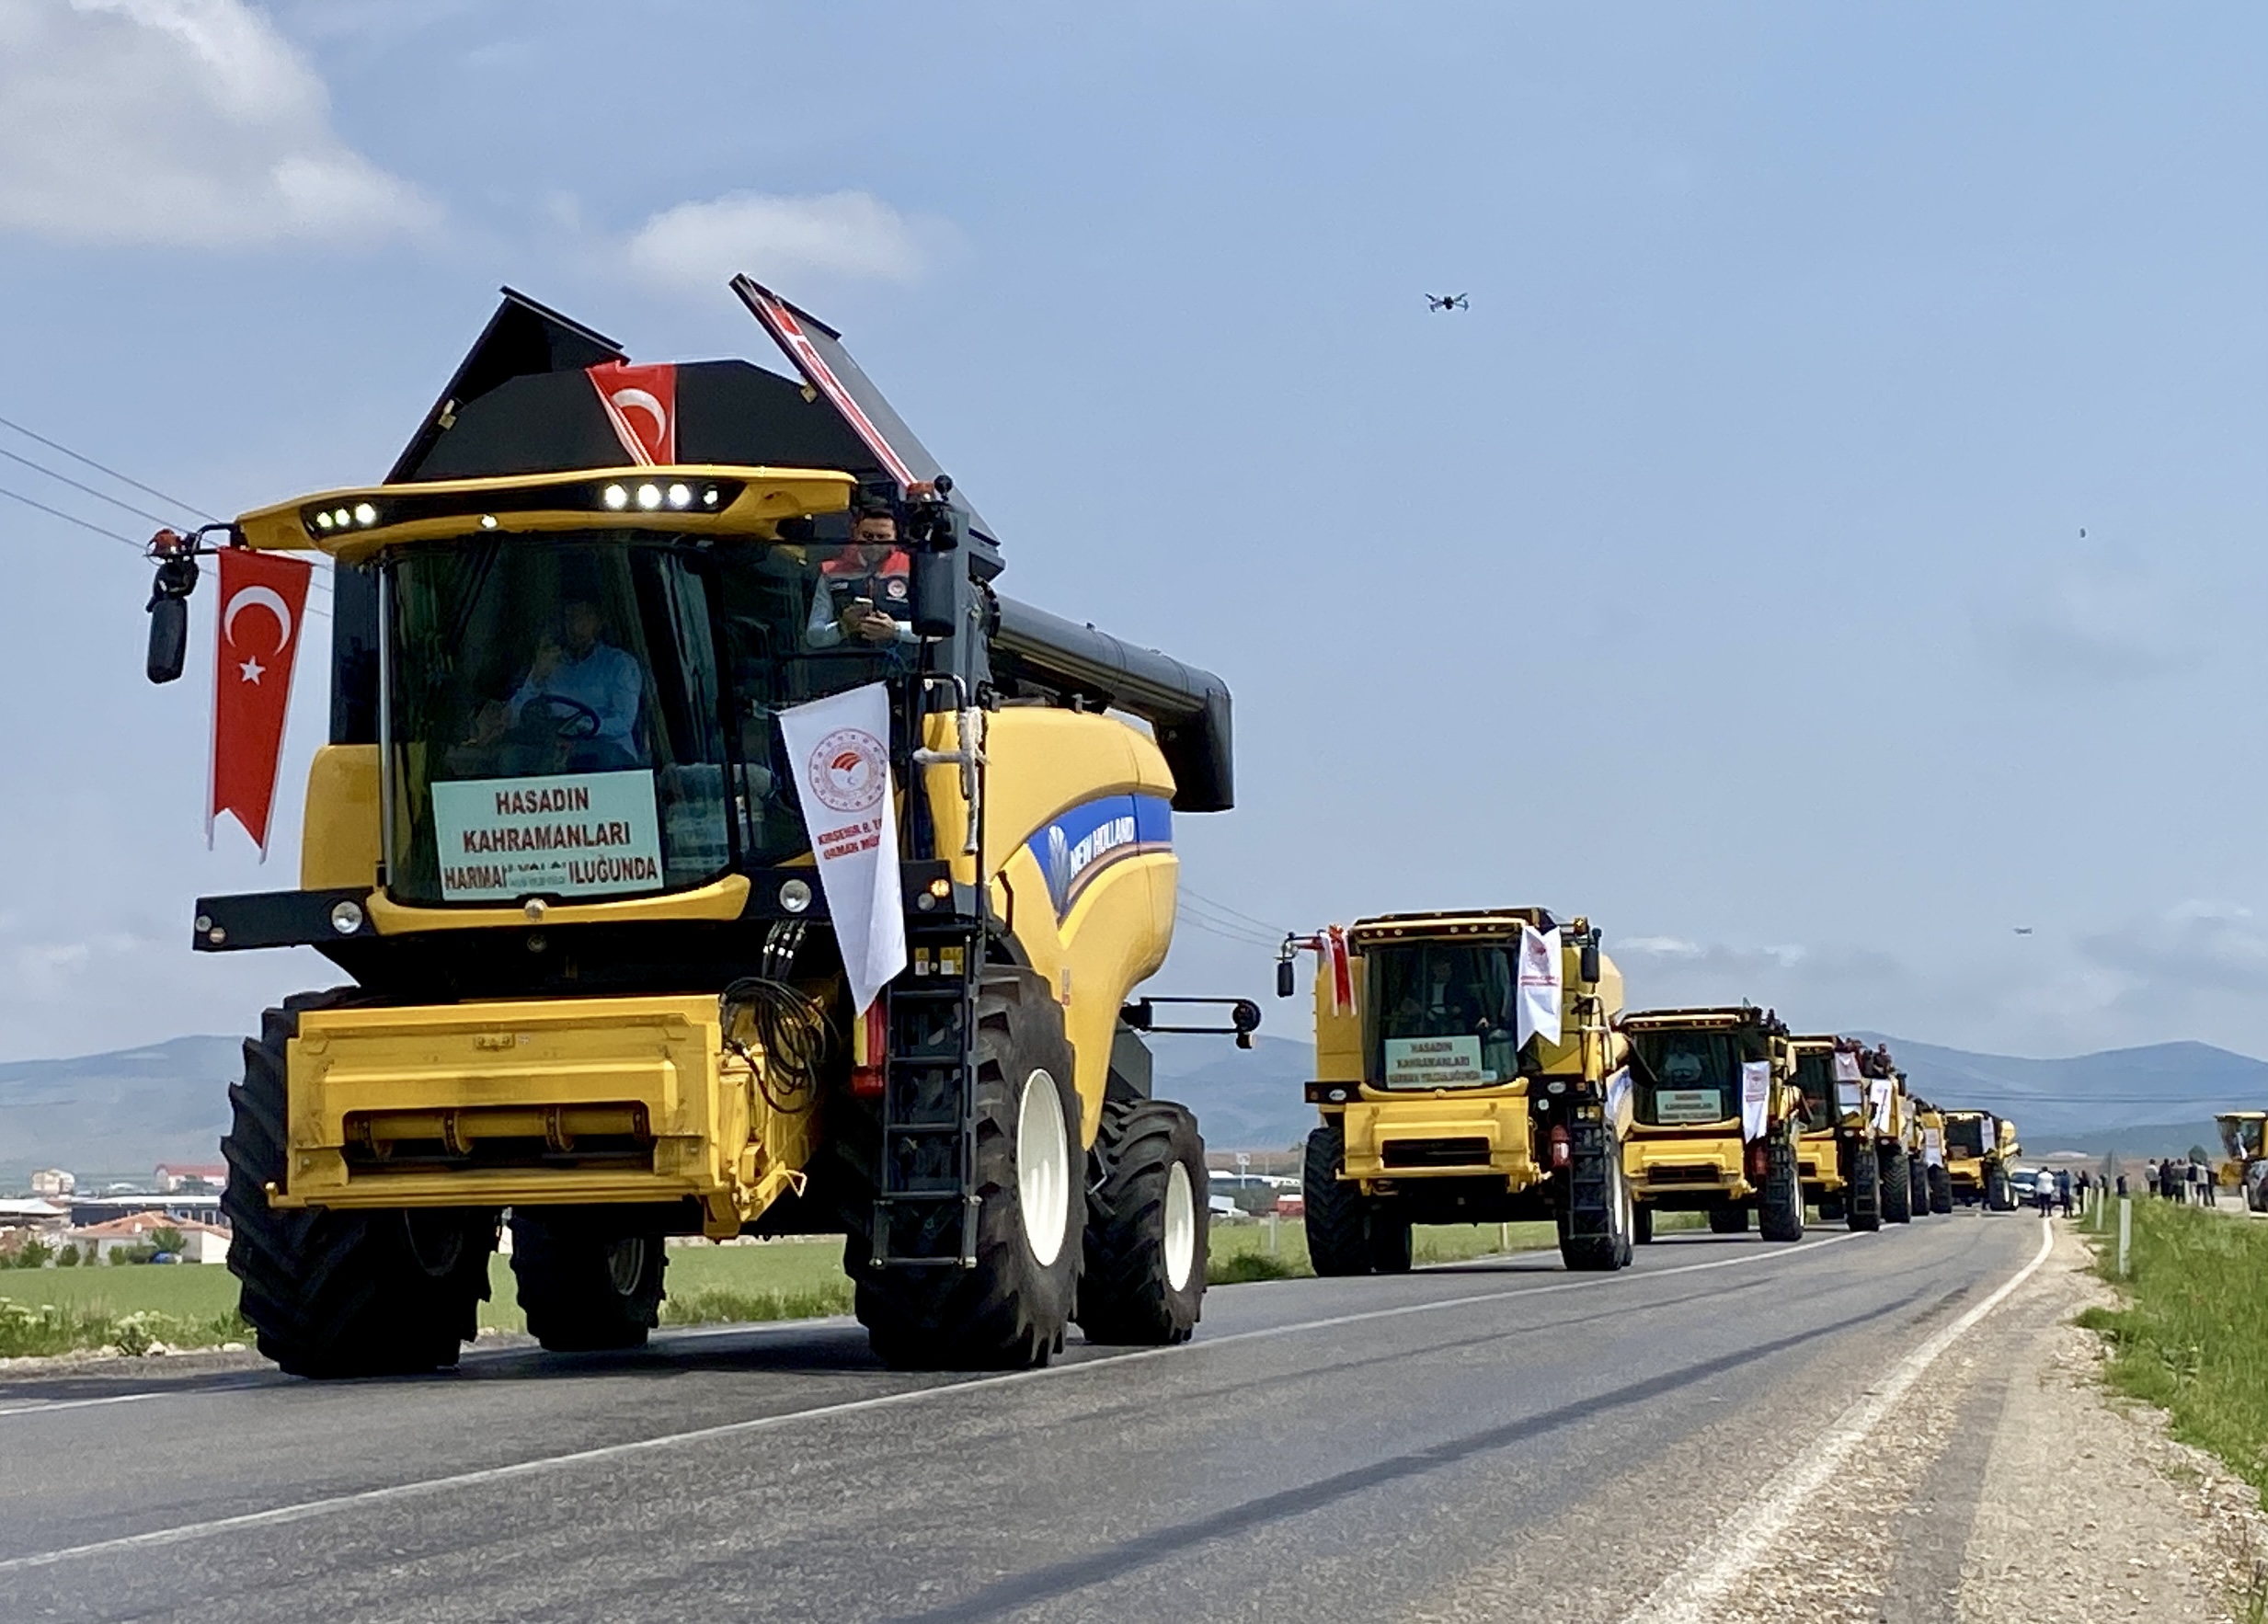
pixel 124 479
pixel 1240 916
pixel 90 490
pixel 70 518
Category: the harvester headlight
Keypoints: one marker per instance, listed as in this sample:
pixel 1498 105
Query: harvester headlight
pixel 341 517
pixel 649 496
pixel 614 497
pixel 365 514
pixel 680 496
pixel 708 497
pixel 322 521
pixel 794 896
pixel 347 917
pixel 487 521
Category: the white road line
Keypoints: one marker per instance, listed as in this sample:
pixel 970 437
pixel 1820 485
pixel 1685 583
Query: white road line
pixel 1698 1591
pixel 279 1515
pixel 48 1406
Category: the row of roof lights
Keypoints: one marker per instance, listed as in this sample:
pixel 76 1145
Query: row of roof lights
pixel 651 498
pixel 361 515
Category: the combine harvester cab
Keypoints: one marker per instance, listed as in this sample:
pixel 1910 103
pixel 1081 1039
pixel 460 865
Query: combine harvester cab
pixel 1841 1174
pixel 715 851
pixel 1467 1070
pixel 1715 1117
pixel 1975 1164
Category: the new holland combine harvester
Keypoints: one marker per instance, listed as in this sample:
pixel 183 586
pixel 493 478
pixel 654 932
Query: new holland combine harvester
pixel 1836 1156
pixel 611 920
pixel 1716 1116
pixel 1980 1149
pixel 1468 1069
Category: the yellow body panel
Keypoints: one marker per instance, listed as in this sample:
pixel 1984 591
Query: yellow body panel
pixel 1500 1116
pixel 712 1135
pixel 1819 1161
pixel 719 899
pixel 340 837
pixel 1685 1160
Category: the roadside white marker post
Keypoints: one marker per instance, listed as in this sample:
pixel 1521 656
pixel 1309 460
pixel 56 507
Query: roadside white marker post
pixel 1271 1232
pixel 2126 1231
pixel 1504 1237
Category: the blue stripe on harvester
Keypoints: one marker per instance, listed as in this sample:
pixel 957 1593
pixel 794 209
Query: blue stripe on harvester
pixel 1076 845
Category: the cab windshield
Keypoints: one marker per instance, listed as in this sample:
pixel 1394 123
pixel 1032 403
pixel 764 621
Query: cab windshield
pixel 590 713
pixel 1965 1136
pixel 1814 1075
pixel 1442 1015
pixel 1686 1079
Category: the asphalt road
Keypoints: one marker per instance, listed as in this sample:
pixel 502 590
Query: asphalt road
pixel 1487 1441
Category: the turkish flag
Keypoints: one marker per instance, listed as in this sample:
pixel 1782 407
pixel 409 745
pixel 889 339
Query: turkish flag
pixel 263 597
pixel 641 402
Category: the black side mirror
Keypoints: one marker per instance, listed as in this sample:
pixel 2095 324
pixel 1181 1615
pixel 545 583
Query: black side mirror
pixel 1586 963
pixel 1285 986
pixel 177 578
pixel 936 602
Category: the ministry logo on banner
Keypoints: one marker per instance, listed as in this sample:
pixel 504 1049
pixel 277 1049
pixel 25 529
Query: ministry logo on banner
pixel 1755 1098
pixel 839 749
pixel 1538 1008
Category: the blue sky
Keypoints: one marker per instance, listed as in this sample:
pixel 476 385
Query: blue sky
pixel 1718 574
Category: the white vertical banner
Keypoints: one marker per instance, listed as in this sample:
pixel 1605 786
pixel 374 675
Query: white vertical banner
pixel 1932 1148
pixel 1755 1098
pixel 840 749
pixel 1879 1092
pixel 1618 1100
pixel 1538 1004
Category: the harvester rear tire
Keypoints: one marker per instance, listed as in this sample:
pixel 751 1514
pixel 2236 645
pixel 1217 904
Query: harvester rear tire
pixel 1898 1187
pixel 1865 1203
pixel 1642 1224
pixel 584 1287
pixel 1728 1220
pixel 1996 1190
pixel 340 1294
pixel 1918 1175
pixel 1146 1231
pixel 1779 1207
pixel 1597 1239
pixel 1941 1191
pixel 1391 1247
pixel 1338 1219
pixel 1008 1312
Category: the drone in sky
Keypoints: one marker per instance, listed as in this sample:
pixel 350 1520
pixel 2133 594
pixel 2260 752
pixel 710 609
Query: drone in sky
pixel 2023 929
pixel 1446 301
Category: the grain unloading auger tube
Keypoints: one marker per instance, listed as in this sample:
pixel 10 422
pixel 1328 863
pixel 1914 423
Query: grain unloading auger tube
pixel 713 850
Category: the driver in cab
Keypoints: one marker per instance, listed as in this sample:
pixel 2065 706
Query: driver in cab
pixel 865 589
pixel 582 692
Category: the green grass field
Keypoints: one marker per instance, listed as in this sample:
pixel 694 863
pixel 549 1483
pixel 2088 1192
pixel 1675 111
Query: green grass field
pixel 2193 1326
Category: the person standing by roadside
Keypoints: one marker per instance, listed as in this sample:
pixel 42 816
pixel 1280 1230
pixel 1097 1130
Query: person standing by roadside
pixel 2122 1186
pixel 2044 1192
pixel 2063 1190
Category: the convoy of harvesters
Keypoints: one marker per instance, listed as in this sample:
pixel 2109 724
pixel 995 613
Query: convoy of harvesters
pixel 713 850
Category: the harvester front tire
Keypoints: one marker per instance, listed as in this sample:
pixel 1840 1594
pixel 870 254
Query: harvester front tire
pixel 1780 1207
pixel 1917 1197
pixel 1996 1190
pixel 1338 1219
pixel 1941 1191
pixel 340 1294
pixel 1642 1224
pixel 1865 1203
pixel 1391 1249
pixel 1898 1187
pixel 583 1289
pixel 1728 1220
pixel 1008 1312
pixel 1595 1226
pixel 1146 1231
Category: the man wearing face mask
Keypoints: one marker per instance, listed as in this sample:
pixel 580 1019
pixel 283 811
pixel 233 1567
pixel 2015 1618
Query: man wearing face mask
pixel 864 590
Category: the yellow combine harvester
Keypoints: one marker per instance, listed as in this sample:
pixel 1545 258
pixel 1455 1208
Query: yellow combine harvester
pixel 1836 1155
pixel 603 952
pixel 1441 1107
pixel 1932 1186
pixel 1716 1115
pixel 1979 1148
pixel 2242 1142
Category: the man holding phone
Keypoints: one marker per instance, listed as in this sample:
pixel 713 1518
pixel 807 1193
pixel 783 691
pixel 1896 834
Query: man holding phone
pixel 864 589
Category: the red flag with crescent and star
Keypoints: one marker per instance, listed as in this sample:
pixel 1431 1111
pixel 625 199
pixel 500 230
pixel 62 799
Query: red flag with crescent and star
pixel 263 601
pixel 641 403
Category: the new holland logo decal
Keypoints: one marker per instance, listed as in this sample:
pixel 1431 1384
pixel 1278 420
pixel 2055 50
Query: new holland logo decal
pixel 1077 845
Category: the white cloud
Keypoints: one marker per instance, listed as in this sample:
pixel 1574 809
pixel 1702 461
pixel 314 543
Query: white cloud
pixel 178 123
pixel 695 246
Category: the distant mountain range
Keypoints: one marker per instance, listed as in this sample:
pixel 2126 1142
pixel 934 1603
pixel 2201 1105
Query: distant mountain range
pixel 115 1116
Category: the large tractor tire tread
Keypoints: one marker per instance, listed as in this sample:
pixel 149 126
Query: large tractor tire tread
pixel 1780 1207
pixel 1865 1205
pixel 1008 1312
pixel 1595 1227
pixel 1898 1188
pixel 1728 1220
pixel 584 1287
pixel 1918 1180
pixel 1337 1220
pixel 1128 1297
pixel 1392 1248
pixel 1941 1191
pixel 339 1294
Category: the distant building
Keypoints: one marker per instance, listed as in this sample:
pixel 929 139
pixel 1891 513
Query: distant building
pixel 201 1243
pixel 53 1180
pixel 184 1176
pixel 31 1215
pixel 193 1205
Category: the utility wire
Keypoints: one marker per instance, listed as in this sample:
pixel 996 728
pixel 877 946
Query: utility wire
pixel 90 490
pixel 122 478
pixel 1235 914
pixel 70 518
